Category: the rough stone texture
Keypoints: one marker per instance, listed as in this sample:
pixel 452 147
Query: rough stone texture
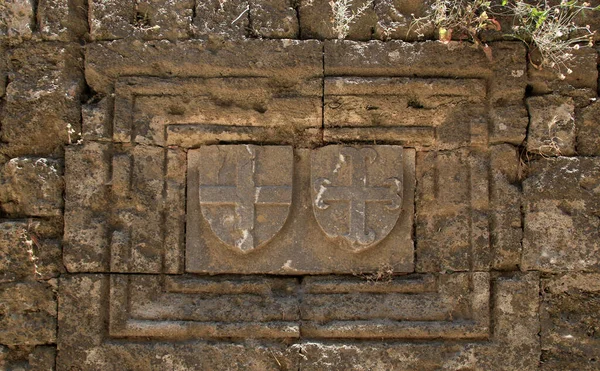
pixel 562 204
pixel 222 20
pixel 29 250
pixel 286 61
pixel 452 207
pixel 146 19
pixel 16 19
pixel 395 20
pixel 32 187
pixel 274 19
pixel 514 343
pixel 505 204
pixel 570 321
pixel 588 126
pixel 28 313
pixel 63 20
pixel 584 75
pixel 42 111
pixel 317 20
pixel 552 125
pixel 30 358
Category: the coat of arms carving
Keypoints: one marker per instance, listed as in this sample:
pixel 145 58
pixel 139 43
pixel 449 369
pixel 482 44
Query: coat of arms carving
pixel 357 192
pixel 245 192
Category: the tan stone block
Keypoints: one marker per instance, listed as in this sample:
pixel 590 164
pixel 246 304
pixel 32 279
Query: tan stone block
pixel 146 19
pixel 570 321
pixel 286 62
pixel 42 111
pixel 274 19
pixel 552 126
pixel 28 252
pixel 27 357
pixel 452 226
pixel 17 19
pixel 32 186
pixel 291 250
pixel 224 20
pixel 86 207
pixel 588 126
pixel 62 19
pixel 27 313
pixel 562 205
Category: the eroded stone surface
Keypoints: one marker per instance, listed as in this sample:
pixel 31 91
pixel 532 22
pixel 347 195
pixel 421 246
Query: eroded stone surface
pixel 146 19
pixel 570 322
pixel 515 299
pixel 35 358
pixel 274 19
pixel 552 126
pixel 42 111
pixel 29 250
pixel 588 126
pixel 318 21
pixel 16 19
pixel 32 187
pixel 62 19
pixel 562 204
pixel 28 313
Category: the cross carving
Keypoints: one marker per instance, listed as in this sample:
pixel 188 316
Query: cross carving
pixel 244 196
pixel 358 194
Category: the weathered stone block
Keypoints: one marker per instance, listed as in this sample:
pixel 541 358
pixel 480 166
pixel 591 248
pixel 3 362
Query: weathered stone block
pixel 584 75
pixel 192 112
pixel 63 20
pixel 274 19
pixel 34 358
pixel 86 207
pixel 360 228
pixel 509 123
pixel 552 126
pixel 506 230
pixel 42 111
pixel 570 322
pixel 27 313
pixel 396 20
pixel 318 20
pixel 429 112
pixel 283 61
pixel 16 19
pixel 95 124
pixel 513 299
pixel 28 252
pixel 146 19
pixel 562 204
pixel 452 206
pixel 588 127
pixel 31 186
pixel 222 19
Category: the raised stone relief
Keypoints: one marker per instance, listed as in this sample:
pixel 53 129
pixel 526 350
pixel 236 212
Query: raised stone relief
pixel 245 192
pixel 357 192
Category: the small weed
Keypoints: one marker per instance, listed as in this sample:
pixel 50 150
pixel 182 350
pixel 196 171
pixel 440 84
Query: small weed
pixel 551 30
pixel 343 16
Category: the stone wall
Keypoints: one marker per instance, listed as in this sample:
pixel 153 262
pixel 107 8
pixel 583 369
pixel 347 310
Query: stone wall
pixel 222 185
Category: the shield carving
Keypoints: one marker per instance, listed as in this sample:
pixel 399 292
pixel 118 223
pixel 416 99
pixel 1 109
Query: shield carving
pixel 245 192
pixel 357 192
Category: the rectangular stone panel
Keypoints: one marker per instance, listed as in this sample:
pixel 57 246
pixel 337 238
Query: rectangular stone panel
pixel 350 210
pixel 416 112
pixel 86 326
pixel 453 225
pixel 561 207
pixel 125 208
pixel 191 112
